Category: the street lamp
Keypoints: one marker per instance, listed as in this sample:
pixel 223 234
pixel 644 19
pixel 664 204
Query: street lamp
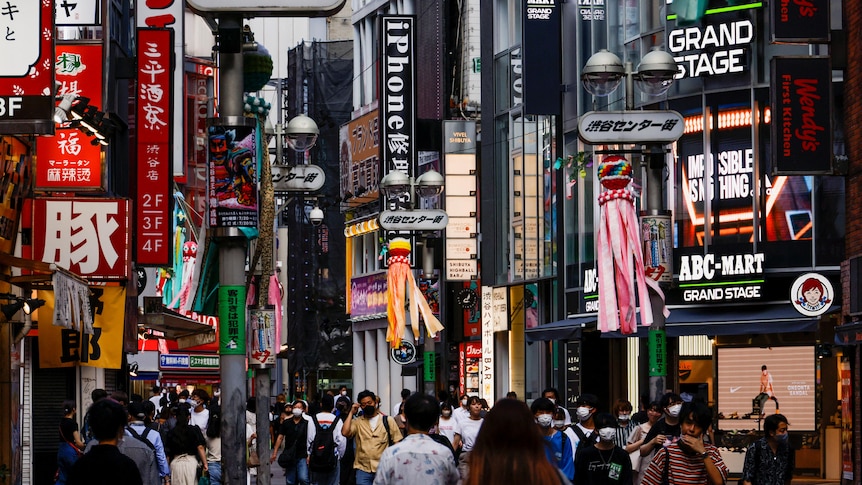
pixel 601 76
pixel 398 185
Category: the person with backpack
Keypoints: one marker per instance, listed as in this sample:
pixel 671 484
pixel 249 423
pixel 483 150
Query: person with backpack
pixel 558 449
pixel 585 428
pixel 137 429
pixel 326 444
pixel 418 459
pixel 373 432
pixel 770 460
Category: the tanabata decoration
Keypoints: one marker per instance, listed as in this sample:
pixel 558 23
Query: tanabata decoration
pixel 400 285
pixel 621 253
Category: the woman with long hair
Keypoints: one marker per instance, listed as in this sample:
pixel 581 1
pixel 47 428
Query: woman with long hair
pixel 186 449
pixel 510 449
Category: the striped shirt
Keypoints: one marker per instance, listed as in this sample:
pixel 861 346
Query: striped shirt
pixel 684 469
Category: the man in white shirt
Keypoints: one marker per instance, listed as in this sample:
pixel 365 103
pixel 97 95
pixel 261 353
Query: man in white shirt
pixel 200 414
pixel 417 459
pixel 156 399
pixel 327 419
pixel 463 410
pixel 405 393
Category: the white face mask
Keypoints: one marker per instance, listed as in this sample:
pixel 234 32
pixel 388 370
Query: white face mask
pixel 584 413
pixel 544 420
pixel 623 417
pixel 673 411
pixel 552 400
pixel 607 434
pixel 296 411
pixel 463 402
pixel 559 423
pixel 343 393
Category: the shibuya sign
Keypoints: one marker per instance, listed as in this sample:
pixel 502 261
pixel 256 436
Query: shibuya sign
pixel 713 49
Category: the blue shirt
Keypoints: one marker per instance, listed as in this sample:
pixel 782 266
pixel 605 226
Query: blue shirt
pixel 559 453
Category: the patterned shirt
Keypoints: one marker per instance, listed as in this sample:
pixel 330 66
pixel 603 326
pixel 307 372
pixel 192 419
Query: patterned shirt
pixel 684 469
pixel 418 460
pixel 623 432
pixel 773 468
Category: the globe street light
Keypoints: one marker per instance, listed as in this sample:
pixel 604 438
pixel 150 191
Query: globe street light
pixel 604 71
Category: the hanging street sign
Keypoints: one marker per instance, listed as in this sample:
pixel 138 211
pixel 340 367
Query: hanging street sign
pixel 598 127
pixel 414 220
pixel 298 178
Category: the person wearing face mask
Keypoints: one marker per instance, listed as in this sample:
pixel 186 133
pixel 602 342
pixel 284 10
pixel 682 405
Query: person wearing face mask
pixel 622 411
pixel 554 396
pixel 463 411
pixel 294 434
pixel 585 428
pixel 342 393
pixel 448 426
pixel 558 449
pixel 689 460
pixel 373 433
pixel 200 414
pixel 636 439
pixel 667 429
pixel 770 460
pixel 605 463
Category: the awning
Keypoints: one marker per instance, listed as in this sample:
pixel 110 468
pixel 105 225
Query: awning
pixel 566 329
pixel 741 320
pixel 174 326
pixel 849 334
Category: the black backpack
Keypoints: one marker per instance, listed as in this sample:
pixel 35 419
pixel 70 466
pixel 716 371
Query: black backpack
pixel 142 438
pixel 584 440
pixel 322 457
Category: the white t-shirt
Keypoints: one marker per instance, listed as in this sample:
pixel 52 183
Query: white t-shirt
pixel 469 432
pixel 201 419
pixel 460 414
pixel 448 427
pixel 156 400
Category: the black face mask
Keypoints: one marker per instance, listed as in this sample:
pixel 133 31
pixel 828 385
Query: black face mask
pixel 368 410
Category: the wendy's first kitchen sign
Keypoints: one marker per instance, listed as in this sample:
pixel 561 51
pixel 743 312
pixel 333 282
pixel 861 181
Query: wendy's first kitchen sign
pixel 802 115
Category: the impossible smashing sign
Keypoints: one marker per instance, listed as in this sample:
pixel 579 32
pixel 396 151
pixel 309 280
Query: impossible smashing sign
pixel 630 126
pixel 802 115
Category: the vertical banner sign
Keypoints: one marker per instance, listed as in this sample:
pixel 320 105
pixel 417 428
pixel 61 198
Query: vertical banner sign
pixel 398 99
pixel 231 317
pixel 69 161
pixel 461 197
pixel 542 57
pixel 90 237
pixel 153 201
pixel 802 115
pixel 657 237
pixel 65 347
pixel 800 22
pixel 232 175
pixel 262 342
pixel 486 376
pixel 846 419
pixel 429 366
pixel 573 373
pixel 657 353
pixel 27 70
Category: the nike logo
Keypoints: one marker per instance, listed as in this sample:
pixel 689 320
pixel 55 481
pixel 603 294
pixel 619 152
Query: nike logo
pixel 734 389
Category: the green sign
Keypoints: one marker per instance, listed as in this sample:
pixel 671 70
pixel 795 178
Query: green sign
pixel 430 366
pixel 203 362
pixel 657 353
pixel 231 314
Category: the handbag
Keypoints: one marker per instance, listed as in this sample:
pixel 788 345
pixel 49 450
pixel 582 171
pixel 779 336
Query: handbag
pixel 253 459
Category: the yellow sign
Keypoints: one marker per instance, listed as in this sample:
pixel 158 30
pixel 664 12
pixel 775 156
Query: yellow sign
pixel 63 347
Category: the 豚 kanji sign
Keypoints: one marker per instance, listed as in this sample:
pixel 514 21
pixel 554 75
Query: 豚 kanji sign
pixel 630 126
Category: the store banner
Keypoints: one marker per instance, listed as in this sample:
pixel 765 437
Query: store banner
pixel 368 295
pixel 15 177
pixel 89 236
pixel 542 61
pixel 802 115
pixel 360 159
pixel 26 73
pixel 231 315
pixel 800 22
pixel 153 200
pixel 79 12
pixel 69 160
pixel 232 187
pixel 63 347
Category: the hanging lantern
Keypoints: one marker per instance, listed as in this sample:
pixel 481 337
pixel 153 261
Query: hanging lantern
pixel 401 285
pixel 620 252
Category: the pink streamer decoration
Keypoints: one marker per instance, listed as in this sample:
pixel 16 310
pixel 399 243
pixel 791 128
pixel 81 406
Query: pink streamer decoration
pixel 620 255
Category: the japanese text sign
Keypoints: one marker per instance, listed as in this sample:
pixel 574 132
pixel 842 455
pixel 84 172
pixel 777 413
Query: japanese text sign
pixel 63 347
pixel 153 201
pixel 78 12
pixel 231 313
pixel 88 236
pixel 630 126
pixel 261 345
pixel 27 70
pixel 68 160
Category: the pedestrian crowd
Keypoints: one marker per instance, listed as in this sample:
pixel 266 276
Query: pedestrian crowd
pixel 431 440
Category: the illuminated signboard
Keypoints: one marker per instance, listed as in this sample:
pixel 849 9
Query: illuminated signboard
pixel 719 45
pixel 715 278
pixel 752 382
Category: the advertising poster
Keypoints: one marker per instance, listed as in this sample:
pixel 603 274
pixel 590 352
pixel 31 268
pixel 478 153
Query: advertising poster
pixel 469 362
pixel 756 382
pixel 63 347
pixel 232 178
pixel 262 348
pixel 368 295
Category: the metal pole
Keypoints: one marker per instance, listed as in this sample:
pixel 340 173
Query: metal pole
pixel 658 341
pixel 232 255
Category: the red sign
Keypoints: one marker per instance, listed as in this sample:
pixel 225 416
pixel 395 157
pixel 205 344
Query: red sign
pixel 68 160
pixel 88 236
pixel 26 73
pixel 152 203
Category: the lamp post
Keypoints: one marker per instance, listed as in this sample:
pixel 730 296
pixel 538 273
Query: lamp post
pixel 601 76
